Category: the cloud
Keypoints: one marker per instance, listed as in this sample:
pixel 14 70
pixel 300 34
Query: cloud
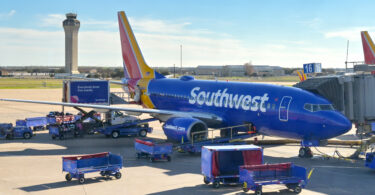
pixel 7 15
pixel 352 34
pixel 52 20
pixel 160 43
pixel 314 23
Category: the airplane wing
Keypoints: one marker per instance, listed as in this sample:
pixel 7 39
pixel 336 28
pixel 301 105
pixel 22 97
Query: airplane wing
pixel 162 115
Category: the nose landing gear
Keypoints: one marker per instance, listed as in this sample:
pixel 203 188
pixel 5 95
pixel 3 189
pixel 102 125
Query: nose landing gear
pixel 305 152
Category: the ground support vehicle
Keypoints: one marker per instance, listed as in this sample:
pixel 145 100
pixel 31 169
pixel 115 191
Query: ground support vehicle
pixel 370 160
pixel 135 128
pixel 220 164
pixel 63 131
pixel 9 132
pixel 106 163
pixel 154 151
pixel 36 123
pixel 231 137
pixel 253 177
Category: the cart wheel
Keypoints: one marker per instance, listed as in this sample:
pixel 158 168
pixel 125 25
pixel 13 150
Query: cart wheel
pixel 205 180
pixel 27 135
pixel 258 192
pixel 68 177
pixel 152 159
pixel 102 173
pixel 169 158
pixel 216 184
pixel 118 175
pixel 61 137
pixel 53 136
pixel 115 134
pixel 143 133
pixel 81 180
pixel 297 189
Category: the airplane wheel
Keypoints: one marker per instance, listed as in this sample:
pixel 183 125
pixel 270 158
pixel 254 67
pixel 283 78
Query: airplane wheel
pixel 305 152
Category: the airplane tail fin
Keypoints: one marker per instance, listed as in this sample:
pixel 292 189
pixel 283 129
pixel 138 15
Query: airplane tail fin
pixel 302 75
pixel 368 48
pixel 134 64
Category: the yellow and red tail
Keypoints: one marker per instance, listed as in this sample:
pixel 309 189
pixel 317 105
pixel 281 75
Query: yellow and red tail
pixel 135 66
pixel 302 75
pixel 368 48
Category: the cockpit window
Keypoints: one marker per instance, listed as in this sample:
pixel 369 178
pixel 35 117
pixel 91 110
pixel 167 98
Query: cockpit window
pixel 308 107
pixel 318 107
pixel 326 107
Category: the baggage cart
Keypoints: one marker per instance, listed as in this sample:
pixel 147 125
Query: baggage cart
pixel 65 130
pixel 253 177
pixel 106 163
pixel 154 151
pixel 220 164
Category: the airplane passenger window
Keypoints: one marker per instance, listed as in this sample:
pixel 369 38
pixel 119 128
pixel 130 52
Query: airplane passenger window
pixel 268 106
pixel 273 106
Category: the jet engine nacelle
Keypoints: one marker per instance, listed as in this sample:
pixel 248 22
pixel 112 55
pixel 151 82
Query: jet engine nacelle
pixel 181 129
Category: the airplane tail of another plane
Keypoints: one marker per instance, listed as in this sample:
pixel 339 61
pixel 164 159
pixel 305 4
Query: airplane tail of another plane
pixel 368 48
pixel 134 64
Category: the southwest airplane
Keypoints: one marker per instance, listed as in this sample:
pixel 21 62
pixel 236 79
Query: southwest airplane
pixel 368 48
pixel 186 105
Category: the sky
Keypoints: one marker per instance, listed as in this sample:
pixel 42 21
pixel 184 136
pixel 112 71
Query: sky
pixel 284 33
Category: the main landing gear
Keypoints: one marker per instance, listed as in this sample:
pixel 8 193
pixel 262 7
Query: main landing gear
pixel 305 152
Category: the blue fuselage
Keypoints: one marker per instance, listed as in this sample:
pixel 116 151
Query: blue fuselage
pixel 274 110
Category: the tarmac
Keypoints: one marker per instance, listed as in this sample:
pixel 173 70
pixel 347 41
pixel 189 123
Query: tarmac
pixel 35 166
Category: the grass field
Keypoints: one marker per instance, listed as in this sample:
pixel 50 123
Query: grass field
pixel 30 83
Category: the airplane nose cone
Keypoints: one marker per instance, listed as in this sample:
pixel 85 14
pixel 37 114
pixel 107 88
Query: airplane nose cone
pixel 339 125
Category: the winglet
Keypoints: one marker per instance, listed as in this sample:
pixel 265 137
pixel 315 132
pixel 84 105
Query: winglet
pixel 368 48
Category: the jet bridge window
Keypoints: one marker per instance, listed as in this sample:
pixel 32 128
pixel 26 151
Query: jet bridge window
pixel 317 107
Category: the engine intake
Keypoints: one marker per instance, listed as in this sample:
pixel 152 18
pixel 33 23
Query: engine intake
pixel 181 129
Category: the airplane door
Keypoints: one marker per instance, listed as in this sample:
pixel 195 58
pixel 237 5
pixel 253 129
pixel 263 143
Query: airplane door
pixel 284 108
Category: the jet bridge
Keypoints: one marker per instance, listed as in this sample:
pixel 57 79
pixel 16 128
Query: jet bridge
pixel 353 95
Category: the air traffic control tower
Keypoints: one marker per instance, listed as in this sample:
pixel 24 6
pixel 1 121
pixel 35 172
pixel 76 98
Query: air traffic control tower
pixel 71 26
